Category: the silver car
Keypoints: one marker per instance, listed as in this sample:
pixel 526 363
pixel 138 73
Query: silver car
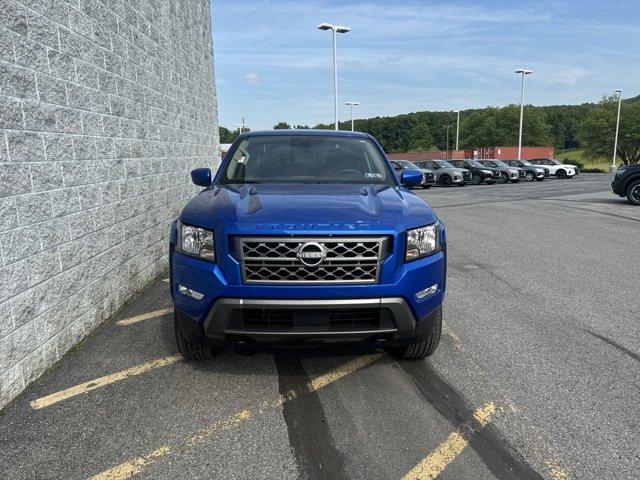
pixel 447 174
pixel 509 174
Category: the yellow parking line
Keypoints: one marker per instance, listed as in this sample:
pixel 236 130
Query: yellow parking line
pixel 145 316
pixel 102 381
pixel 134 466
pixel 433 465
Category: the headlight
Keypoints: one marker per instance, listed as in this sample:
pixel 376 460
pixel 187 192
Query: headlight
pixel 195 241
pixel 422 242
pixel 488 172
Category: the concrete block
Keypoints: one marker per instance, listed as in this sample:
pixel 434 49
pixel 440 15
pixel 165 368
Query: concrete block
pixel 19 243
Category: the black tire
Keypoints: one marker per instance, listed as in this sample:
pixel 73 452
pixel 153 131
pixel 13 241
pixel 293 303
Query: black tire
pixel 515 181
pixel 529 176
pixel 633 193
pixel 503 179
pixel 423 348
pixel 462 184
pixel 561 174
pixel 191 351
pixel 426 186
pixel 476 178
pixel 540 179
pixel 445 181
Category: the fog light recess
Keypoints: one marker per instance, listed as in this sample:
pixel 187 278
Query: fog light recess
pixel 190 293
pixel 427 292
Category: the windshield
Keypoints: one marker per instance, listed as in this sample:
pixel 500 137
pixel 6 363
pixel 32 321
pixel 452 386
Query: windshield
pixel 408 164
pixel 475 163
pixel 307 159
pixel 489 163
pixel 443 164
pixel 500 163
pixel 526 162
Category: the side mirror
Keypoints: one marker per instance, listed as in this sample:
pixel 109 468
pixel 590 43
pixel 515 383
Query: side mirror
pixel 411 178
pixel 201 176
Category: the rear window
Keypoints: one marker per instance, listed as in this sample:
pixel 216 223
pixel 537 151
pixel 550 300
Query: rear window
pixel 307 159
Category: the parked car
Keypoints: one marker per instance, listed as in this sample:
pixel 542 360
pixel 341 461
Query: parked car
pixel 507 173
pixel 287 245
pixel 479 173
pixel 447 174
pixel 531 172
pixel 556 167
pixel 428 176
pixel 627 183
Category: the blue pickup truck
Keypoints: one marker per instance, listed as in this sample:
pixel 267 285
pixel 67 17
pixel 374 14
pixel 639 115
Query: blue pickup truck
pixel 306 237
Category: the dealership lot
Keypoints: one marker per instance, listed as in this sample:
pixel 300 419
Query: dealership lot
pixel 536 375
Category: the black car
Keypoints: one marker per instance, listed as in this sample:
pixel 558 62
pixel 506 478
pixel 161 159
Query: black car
pixel 479 173
pixel 531 172
pixel 428 176
pixel 627 183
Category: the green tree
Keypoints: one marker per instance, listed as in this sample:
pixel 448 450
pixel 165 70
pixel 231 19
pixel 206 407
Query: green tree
pixel 421 138
pixel 228 136
pixel 597 130
pixel 492 126
pixel 281 126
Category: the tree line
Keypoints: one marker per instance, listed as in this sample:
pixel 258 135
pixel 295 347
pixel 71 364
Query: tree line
pixel 588 126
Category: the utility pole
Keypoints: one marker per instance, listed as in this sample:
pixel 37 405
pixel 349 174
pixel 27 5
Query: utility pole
pixel 447 127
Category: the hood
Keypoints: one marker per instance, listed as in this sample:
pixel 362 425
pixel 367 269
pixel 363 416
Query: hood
pixel 455 170
pixel 308 207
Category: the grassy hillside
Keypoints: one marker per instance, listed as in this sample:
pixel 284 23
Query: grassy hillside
pixel 576 157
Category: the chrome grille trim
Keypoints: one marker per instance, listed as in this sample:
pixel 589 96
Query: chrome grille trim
pixel 274 260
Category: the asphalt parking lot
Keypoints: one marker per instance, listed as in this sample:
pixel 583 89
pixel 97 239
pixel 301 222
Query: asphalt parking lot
pixel 537 374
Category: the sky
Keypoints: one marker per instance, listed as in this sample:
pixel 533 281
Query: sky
pixel 272 64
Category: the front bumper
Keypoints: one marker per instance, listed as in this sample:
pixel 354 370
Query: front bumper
pixel 223 324
pixel 617 187
pixel 218 317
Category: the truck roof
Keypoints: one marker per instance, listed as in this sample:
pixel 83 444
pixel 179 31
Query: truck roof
pixel 306 132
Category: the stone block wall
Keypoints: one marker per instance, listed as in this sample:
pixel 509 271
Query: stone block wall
pixel 105 107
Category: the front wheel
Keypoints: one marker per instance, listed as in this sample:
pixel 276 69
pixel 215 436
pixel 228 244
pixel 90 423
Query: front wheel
pixel 502 179
pixel 633 193
pixel 426 186
pixel 561 174
pixel 476 179
pixel 445 180
pixel 189 350
pixel 529 177
pixel 515 181
pixel 423 348
pixel 540 179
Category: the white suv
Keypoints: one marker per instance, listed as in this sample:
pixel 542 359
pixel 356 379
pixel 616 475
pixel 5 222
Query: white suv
pixel 556 167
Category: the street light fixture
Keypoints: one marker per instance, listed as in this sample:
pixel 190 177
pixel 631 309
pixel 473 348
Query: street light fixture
pixel 523 72
pixel 352 104
pixel 240 126
pixel 615 143
pixel 457 128
pixel 334 29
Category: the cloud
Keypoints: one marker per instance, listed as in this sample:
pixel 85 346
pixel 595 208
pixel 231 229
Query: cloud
pixel 252 78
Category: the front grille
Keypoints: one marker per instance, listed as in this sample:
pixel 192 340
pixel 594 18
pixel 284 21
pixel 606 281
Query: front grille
pixel 466 175
pixel 318 320
pixel 311 260
pixel 496 173
pixel 521 173
pixel 430 176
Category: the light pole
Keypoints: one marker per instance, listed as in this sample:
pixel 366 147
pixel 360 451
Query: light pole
pixel 335 29
pixel 447 127
pixel 457 128
pixel 352 104
pixel 522 72
pixel 615 143
pixel 240 125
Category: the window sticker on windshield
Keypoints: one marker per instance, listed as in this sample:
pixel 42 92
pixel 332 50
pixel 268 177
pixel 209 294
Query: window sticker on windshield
pixel 372 175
